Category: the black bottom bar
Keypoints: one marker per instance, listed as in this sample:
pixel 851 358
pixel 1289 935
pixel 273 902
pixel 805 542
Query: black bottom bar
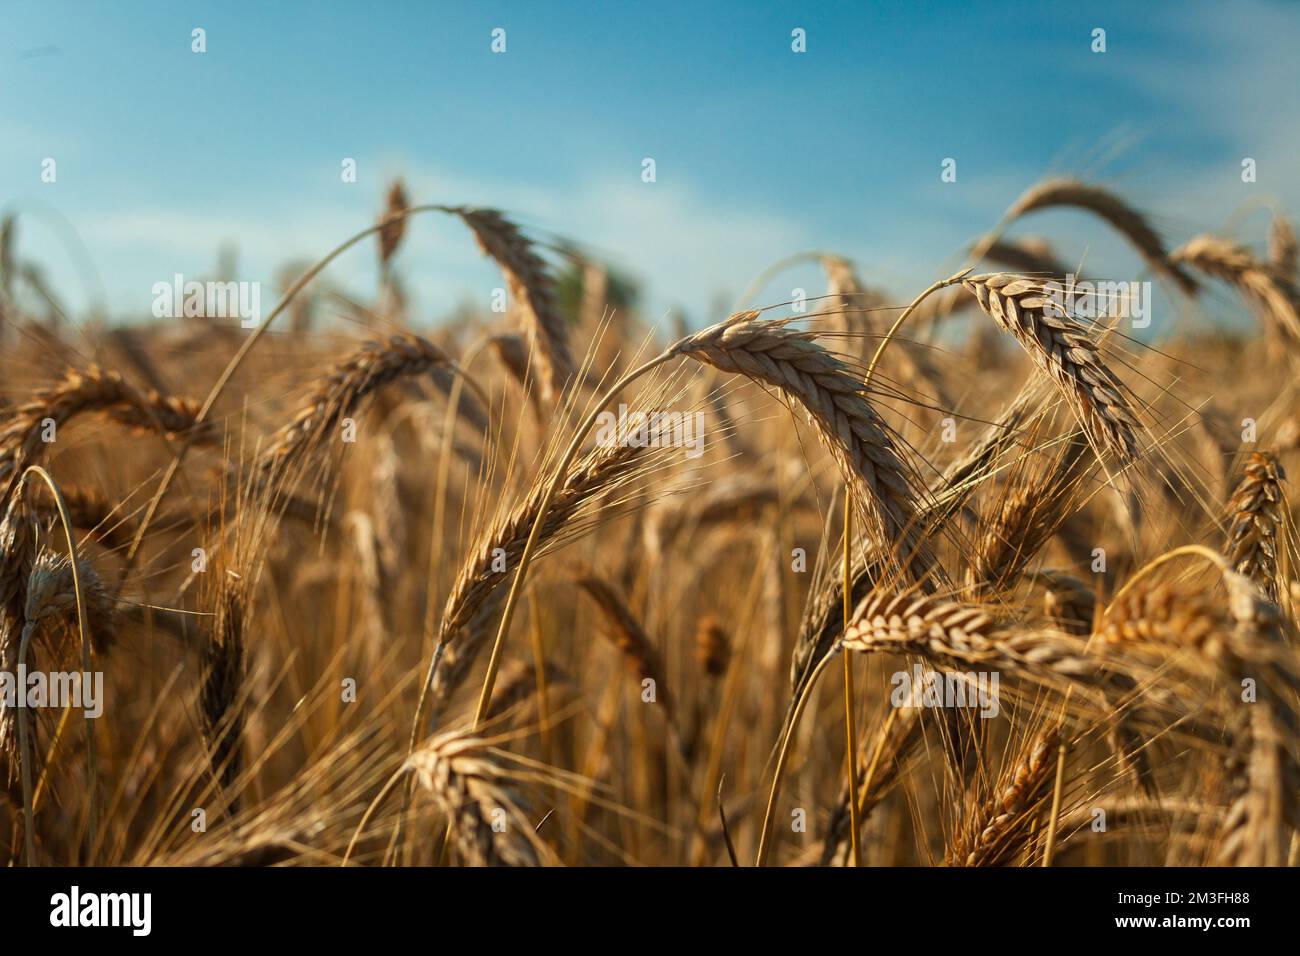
pixel 339 906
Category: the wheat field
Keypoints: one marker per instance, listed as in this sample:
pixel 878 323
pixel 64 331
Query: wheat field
pixel 958 576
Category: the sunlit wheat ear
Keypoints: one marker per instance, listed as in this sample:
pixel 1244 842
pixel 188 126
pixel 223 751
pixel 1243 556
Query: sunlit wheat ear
pixel 24 439
pixel 1271 293
pixel 1254 518
pixel 950 634
pixel 532 290
pixel 996 833
pixel 1062 350
pixel 340 393
pixel 1109 207
pixel 483 579
pixel 1282 248
pixel 475 789
pixel 837 403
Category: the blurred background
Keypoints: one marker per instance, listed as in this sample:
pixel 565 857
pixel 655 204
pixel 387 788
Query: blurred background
pixel 229 161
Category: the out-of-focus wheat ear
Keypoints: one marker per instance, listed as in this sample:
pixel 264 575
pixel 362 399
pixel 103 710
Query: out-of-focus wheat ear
pixel 595 294
pixel 996 833
pixel 712 647
pixel 518 688
pixel 222 694
pixel 1062 350
pixel 1068 603
pixel 24 438
pixel 1282 248
pixel 474 787
pixel 1254 517
pixel 340 392
pixel 837 402
pixel 624 631
pixel 532 290
pixel 850 306
pixel 854 311
pixel 392 222
pixel 1271 293
pixel 1026 256
pixel 512 352
pixel 1131 223
pixel 8 226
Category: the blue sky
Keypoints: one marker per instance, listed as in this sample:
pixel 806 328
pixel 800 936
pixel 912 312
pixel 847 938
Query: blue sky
pixel 164 155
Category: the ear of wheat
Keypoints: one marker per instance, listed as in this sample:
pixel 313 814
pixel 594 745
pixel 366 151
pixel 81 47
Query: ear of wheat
pixel 532 290
pixel 1270 292
pixel 1105 204
pixel 25 438
pixel 1061 349
pixel 477 791
pixel 837 402
pixel 1254 517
